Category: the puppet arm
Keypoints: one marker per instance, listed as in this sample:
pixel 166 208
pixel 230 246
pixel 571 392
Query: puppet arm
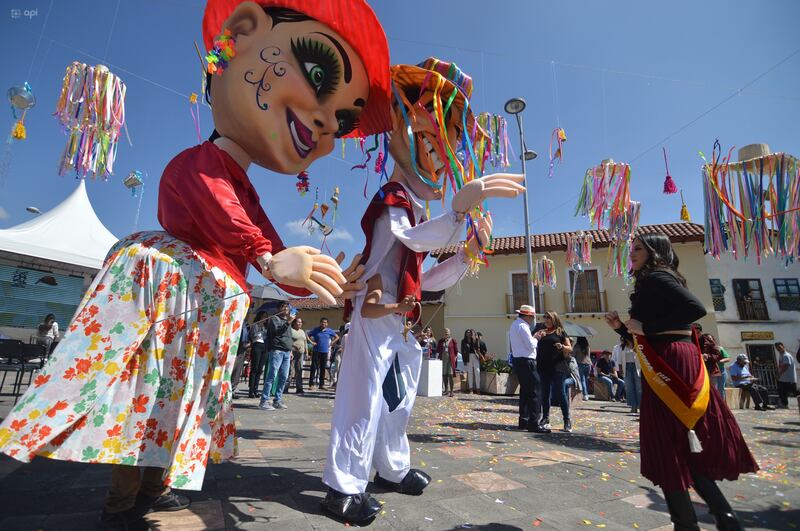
pixel 441 231
pixel 444 274
pixel 372 308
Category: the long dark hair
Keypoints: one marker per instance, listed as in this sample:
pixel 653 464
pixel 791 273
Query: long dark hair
pixel 44 327
pixel 661 257
pixel 472 340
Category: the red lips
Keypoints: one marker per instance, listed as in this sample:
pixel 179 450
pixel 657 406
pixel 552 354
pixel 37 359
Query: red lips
pixel 301 135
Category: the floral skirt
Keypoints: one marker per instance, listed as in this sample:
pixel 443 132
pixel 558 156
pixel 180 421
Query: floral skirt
pixel 142 375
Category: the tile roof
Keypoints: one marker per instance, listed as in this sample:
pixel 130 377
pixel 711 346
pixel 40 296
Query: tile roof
pixel 677 232
pixel 313 303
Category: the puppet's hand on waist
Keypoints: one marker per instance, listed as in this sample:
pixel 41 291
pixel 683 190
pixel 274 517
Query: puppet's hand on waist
pixel 495 185
pixel 305 267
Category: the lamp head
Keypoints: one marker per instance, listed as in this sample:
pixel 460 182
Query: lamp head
pixel 530 154
pixel 515 106
pixel 33 210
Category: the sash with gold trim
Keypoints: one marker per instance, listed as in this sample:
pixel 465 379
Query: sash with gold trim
pixel 688 402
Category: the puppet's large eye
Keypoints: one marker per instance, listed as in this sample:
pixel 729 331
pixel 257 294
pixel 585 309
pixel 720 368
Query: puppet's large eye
pixel 318 63
pixel 348 121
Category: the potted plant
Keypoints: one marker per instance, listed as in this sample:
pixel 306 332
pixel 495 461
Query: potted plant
pixel 497 378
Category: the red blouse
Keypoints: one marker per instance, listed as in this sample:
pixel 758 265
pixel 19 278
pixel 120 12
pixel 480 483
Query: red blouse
pixel 206 199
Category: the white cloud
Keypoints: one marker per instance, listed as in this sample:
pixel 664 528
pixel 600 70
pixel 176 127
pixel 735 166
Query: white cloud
pixel 4 214
pixel 297 228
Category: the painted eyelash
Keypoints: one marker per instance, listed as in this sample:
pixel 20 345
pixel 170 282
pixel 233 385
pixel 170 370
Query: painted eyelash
pixel 311 51
pixel 353 126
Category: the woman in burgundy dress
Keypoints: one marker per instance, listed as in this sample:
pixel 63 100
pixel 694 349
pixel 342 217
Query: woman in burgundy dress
pixel 662 312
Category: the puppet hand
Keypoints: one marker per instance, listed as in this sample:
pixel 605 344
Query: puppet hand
pixel 352 274
pixel 495 185
pixel 406 305
pixel 634 327
pixel 613 320
pixel 305 267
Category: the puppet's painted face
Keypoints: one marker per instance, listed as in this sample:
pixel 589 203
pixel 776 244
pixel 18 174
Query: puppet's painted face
pixel 291 90
pixel 431 150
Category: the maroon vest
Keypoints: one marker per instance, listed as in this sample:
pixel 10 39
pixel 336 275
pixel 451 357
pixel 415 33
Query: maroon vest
pixel 392 194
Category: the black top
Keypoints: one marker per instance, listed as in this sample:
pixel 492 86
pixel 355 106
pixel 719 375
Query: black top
pixel 482 347
pixel 468 348
pixel 661 303
pixel 604 366
pixel 547 356
pixel 279 334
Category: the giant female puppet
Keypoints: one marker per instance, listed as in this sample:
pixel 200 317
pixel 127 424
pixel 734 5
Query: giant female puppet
pixel 142 377
pixel 432 143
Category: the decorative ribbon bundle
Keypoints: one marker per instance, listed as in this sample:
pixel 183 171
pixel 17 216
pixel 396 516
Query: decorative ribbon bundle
pixel 559 136
pixel 496 147
pixel 606 199
pixel 544 273
pixel 579 248
pixel 752 207
pixel 91 108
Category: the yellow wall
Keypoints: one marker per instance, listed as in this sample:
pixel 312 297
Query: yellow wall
pixel 311 318
pixel 480 303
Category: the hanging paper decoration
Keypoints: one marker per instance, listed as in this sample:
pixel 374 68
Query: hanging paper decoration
pixel 335 203
pixel 133 181
pixel 579 248
pixel 496 146
pixel 91 108
pixel 21 99
pixel 605 199
pixel 194 110
pixel 544 273
pixel 752 207
pixel 302 184
pixel 684 210
pixel 323 208
pixel 669 184
pixel 559 136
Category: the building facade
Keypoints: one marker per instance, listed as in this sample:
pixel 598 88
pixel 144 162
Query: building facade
pixel 487 303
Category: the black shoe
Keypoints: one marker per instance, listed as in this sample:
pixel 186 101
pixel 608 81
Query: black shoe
pixel 351 507
pixel 301 392
pixel 125 521
pixel 539 429
pixel 728 522
pixel 251 395
pixel 769 408
pixel 413 484
pixel 169 502
pixel 522 425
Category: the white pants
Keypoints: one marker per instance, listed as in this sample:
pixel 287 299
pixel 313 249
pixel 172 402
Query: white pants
pixel 364 433
pixel 473 369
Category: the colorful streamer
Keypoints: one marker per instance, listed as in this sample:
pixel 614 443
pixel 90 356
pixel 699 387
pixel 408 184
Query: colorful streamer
pixel 91 109
pixel 579 248
pixel 544 273
pixel 559 136
pixel 497 146
pixel 752 207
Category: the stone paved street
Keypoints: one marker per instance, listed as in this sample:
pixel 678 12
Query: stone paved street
pixel 486 476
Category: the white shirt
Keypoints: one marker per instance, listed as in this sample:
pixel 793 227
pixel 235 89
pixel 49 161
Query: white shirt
pixel 523 344
pixel 789 375
pixel 52 333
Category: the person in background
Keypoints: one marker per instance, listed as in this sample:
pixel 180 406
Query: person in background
pixel 299 353
pixel 241 355
pixel 470 354
pixel 279 345
pixel 722 381
pixel 740 374
pixel 553 345
pixel 711 356
pixel 47 333
pixel 582 355
pixel 626 357
pixel 258 352
pixel 607 373
pixel 523 359
pixel 324 338
pixel 447 351
pixel 344 331
pixel 482 346
pixel 567 375
pixel 427 342
pixel 787 375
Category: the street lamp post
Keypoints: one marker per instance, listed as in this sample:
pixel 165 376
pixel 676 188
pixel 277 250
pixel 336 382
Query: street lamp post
pixel 515 106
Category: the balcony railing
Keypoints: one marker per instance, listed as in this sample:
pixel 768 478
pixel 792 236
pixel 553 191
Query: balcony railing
pixel 586 302
pixel 540 304
pixel 752 310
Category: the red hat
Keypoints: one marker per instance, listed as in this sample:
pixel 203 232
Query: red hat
pixel 355 21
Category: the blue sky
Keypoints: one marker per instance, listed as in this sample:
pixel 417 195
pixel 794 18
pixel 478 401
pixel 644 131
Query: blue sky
pixel 622 78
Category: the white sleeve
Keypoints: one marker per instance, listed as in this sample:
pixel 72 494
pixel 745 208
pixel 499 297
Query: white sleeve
pixel 526 338
pixel 444 274
pixel 55 330
pixel 434 233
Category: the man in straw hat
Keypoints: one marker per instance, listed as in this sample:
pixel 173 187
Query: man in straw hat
pixel 378 382
pixel 523 352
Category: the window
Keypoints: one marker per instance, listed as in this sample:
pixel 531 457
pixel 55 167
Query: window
pixel 787 290
pixel 750 299
pixel 519 292
pixel 717 294
pixel 587 292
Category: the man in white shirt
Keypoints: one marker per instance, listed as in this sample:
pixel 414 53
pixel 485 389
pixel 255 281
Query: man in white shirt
pixel 523 352
pixel 787 376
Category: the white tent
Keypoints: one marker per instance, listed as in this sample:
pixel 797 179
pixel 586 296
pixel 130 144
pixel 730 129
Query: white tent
pixel 70 233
